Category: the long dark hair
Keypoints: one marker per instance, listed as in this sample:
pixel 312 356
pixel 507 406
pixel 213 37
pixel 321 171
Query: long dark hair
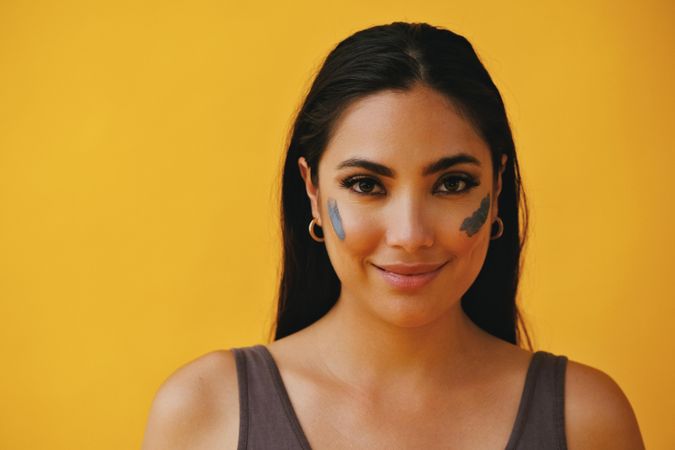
pixel 394 57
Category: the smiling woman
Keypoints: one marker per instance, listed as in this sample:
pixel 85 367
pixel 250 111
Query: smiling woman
pixel 413 183
pixel 397 323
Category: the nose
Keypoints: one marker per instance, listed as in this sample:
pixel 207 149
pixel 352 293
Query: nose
pixel 408 226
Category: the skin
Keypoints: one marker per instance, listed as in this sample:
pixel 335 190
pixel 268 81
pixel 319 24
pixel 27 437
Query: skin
pixel 335 219
pixel 409 222
pixel 474 223
pixel 406 347
pixel 385 369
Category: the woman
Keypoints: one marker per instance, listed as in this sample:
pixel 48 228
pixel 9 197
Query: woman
pixel 397 323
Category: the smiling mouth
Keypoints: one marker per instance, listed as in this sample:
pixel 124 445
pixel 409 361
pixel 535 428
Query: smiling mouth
pixel 411 271
pixel 409 278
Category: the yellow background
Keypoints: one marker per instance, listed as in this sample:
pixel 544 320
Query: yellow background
pixel 140 144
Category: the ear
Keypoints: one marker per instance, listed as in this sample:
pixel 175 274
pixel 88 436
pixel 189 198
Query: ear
pixel 312 191
pixel 495 200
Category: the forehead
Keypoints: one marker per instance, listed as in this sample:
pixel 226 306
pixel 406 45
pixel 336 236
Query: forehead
pixel 403 129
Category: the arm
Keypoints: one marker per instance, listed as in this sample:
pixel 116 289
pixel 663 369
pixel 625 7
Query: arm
pixel 598 414
pixel 196 407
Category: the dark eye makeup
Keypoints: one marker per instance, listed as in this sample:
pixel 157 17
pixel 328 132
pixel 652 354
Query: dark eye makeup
pixel 453 184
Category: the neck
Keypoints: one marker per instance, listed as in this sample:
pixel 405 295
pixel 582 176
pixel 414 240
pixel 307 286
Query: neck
pixel 363 350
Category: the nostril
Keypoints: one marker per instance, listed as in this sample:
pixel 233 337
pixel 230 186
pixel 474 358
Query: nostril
pixel 410 239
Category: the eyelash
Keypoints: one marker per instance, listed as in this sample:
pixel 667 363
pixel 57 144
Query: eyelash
pixel 349 182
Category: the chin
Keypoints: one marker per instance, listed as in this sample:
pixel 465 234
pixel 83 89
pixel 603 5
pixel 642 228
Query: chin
pixel 409 312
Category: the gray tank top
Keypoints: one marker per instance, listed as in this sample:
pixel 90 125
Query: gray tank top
pixel 268 421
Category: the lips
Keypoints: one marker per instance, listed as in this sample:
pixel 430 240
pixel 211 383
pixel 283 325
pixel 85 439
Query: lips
pixel 410 269
pixel 409 277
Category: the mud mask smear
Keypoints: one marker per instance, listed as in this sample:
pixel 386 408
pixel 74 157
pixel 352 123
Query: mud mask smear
pixel 472 224
pixel 335 219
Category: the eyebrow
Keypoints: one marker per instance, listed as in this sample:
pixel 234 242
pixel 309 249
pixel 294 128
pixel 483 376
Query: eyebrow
pixel 430 169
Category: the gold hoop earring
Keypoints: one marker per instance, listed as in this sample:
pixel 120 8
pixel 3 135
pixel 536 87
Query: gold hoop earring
pixel 501 229
pixel 312 233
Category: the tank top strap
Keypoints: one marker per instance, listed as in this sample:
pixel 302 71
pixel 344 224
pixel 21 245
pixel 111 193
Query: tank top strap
pixel 266 416
pixel 540 422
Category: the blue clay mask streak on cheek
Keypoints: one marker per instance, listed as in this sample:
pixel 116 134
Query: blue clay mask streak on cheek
pixel 335 219
pixel 472 224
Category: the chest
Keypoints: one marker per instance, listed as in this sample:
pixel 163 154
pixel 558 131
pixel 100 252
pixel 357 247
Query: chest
pixel 482 420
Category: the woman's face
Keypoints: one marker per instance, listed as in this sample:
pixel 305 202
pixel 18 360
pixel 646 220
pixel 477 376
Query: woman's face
pixel 405 200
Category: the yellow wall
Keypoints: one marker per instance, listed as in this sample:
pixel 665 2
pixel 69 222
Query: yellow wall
pixel 139 149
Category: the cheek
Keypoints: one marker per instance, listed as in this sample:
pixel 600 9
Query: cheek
pixel 336 219
pixel 355 233
pixel 454 236
pixel 365 234
pixel 461 233
pixel 469 228
pixel 471 251
pixel 474 223
pixel 468 252
pixel 465 237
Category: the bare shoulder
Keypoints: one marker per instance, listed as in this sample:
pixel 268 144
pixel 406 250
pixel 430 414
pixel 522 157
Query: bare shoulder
pixel 598 415
pixel 197 406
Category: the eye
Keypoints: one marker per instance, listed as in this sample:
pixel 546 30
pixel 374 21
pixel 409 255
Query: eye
pixel 453 185
pixel 361 185
pixel 457 184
